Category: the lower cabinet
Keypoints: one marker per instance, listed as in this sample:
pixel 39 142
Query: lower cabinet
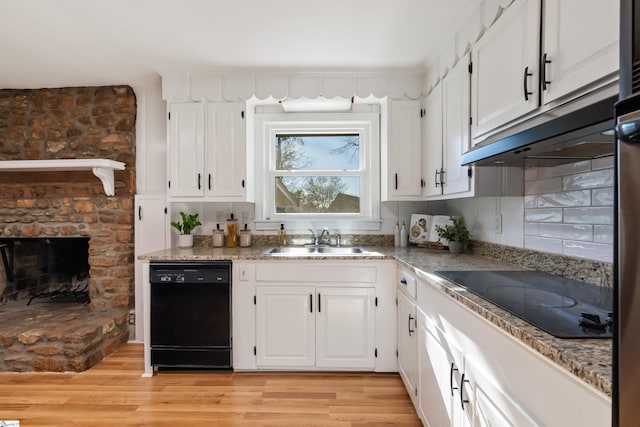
pixel 442 392
pixel 407 343
pixel 471 373
pixel 314 315
pixel 325 327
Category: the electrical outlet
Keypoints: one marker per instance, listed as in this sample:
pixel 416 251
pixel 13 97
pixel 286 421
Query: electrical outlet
pixel 498 224
pixel 245 217
pixel 220 216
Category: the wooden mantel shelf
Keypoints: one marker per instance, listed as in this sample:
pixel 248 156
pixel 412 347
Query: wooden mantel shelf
pixel 102 168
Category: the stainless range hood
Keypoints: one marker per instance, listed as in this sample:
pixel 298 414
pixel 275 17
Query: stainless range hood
pixel 579 130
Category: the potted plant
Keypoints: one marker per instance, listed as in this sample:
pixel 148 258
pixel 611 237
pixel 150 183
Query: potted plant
pixel 456 234
pixel 189 222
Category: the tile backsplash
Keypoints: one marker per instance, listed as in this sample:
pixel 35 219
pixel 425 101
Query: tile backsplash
pixel 568 209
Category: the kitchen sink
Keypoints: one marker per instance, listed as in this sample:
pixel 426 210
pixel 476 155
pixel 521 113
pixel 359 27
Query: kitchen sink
pixel 319 251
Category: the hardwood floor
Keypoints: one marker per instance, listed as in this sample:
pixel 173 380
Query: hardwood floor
pixel 112 393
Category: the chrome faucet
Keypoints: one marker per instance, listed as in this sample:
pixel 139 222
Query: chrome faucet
pixel 324 231
pixel 317 240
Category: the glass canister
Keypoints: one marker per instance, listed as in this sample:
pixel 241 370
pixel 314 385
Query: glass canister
pixel 232 231
pixel 245 237
pixel 218 237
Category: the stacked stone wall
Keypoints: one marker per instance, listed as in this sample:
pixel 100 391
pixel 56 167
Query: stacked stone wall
pixel 73 123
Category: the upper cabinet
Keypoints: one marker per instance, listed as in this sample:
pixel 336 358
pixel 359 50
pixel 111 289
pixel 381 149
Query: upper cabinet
pixel 514 76
pixel 580 44
pixel 401 171
pixel 207 158
pixel 505 68
pixel 446 134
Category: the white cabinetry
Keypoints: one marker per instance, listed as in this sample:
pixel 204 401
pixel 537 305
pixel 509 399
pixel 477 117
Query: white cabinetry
pixel 514 75
pixel 207 157
pixel 439 378
pixel 285 326
pixel 499 380
pixel 401 156
pixel 446 138
pixel 185 154
pixel 406 332
pixel 301 326
pixel 580 44
pixel 505 68
pixel 151 227
pixel 314 315
pixel 455 129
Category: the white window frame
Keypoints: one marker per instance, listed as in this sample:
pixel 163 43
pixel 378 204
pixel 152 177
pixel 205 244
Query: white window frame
pixel 365 125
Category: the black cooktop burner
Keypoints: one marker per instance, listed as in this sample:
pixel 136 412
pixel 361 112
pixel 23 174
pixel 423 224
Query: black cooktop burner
pixel 565 308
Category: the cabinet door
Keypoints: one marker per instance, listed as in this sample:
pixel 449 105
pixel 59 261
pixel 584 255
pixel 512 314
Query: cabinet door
pixel 439 377
pixel 345 333
pixel 407 343
pixel 150 226
pixel 505 67
pixel 492 407
pixel 225 170
pixel 403 151
pixel 455 94
pixel 285 326
pixel 185 154
pixel 580 39
pixel 432 143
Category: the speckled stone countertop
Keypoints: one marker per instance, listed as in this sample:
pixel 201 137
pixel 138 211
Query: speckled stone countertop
pixel 588 359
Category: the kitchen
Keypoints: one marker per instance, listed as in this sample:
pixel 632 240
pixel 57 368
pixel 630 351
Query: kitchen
pixel 527 221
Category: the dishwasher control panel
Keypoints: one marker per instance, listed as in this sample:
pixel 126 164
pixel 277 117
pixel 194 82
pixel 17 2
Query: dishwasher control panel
pixel 189 273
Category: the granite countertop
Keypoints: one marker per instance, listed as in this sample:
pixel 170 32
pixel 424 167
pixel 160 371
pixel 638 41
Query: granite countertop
pixel 588 359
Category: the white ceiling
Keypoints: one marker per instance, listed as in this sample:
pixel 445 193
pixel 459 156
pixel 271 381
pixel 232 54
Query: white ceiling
pixel 54 43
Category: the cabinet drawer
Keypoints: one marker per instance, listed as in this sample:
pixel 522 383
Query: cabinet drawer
pixel 407 282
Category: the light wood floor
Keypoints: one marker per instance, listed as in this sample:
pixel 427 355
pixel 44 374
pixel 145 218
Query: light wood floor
pixel 113 394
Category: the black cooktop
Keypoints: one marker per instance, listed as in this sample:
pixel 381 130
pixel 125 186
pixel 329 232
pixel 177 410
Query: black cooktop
pixel 562 307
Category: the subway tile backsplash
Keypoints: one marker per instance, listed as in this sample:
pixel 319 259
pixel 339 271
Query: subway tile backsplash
pixel 569 209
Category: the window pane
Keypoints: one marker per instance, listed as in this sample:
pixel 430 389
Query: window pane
pixel 317 194
pixel 318 152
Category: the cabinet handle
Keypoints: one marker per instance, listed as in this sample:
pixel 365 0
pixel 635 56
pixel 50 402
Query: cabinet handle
pixel 199 178
pixel 140 213
pixel 451 371
pixel 441 177
pixel 243 183
pixel 396 183
pixel 436 178
pixel 319 303
pixel 527 74
pixel 209 181
pixel 310 303
pixel 543 67
pixel 403 281
pixel 409 325
pixel 462 399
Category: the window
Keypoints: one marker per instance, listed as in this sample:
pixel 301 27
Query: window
pixel 322 167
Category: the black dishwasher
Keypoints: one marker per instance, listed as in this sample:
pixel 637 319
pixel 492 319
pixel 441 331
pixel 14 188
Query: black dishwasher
pixel 191 314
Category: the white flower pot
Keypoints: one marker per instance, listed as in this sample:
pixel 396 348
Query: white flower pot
pixel 185 240
pixel 455 247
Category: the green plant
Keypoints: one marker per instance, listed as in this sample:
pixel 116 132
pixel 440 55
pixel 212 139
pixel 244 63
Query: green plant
pixel 189 222
pixel 456 232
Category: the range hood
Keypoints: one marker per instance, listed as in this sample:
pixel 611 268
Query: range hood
pixel 579 130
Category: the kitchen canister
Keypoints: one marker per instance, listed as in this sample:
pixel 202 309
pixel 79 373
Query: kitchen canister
pixel 245 238
pixel 218 237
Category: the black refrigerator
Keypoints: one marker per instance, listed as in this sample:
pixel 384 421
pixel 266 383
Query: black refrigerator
pixel 626 341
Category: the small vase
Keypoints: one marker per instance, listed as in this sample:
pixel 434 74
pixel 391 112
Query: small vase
pixel 455 247
pixel 185 240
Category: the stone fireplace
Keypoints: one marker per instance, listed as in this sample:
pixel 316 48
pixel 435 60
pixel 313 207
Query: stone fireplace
pixel 55 207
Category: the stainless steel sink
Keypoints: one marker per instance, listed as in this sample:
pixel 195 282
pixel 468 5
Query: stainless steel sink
pixel 319 251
